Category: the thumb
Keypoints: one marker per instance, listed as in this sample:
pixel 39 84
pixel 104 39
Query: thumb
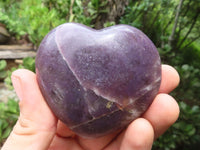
pixel 36 125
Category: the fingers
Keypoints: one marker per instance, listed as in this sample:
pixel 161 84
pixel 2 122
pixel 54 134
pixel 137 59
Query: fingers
pixel 36 125
pixel 162 113
pixel 164 110
pixel 138 136
pixel 170 79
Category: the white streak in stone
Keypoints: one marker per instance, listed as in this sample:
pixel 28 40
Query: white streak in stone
pixel 66 61
pixel 134 113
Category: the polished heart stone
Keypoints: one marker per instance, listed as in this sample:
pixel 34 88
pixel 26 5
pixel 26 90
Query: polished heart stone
pixel 97 81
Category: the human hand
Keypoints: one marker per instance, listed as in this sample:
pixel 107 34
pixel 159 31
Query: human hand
pixel 38 129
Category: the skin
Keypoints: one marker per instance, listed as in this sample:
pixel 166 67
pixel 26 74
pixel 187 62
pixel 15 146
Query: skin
pixel 37 127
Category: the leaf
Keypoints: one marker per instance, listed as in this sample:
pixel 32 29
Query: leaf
pixel 192 131
pixel 3 65
pixel 196 108
pixel 71 18
pixel 3 74
pixel 2 107
pixel 4 124
pixel 79 3
pixel 185 67
pixel 12 106
pixel 29 63
pixel 6 133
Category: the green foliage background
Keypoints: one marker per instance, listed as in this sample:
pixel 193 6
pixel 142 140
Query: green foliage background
pixel 173 26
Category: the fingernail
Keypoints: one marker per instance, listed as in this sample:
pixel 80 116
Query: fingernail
pixel 16 80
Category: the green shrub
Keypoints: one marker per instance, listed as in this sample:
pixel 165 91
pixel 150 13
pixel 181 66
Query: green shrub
pixel 3 65
pixel 9 113
pixel 30 17
pixel 28 63
pixel 185 133
pixel 189 85
pixel 36 18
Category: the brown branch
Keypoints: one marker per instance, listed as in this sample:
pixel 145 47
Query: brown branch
pixel 188 8
pixel 182 25
pixel 154 20
pixel 139 12
pixel 190 29
pixel 145 16
pixel 171 37
pixel 138 3
pixel 194 39
pixel 167 25
pixel 170 21
pixel 71 9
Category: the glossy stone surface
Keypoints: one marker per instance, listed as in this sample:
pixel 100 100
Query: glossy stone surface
pixel 98 81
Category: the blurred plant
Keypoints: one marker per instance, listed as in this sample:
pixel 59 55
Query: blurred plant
pixel 3 65
pixel 70 10
pixel 28 63
pixel 9 113
pixel 7 80
pixel 108 24
pixel 6 3
pixel 185 133
pixel 77 13
pixel 35 18
pixel 30 17
pixel 171 24
pixel 189 85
